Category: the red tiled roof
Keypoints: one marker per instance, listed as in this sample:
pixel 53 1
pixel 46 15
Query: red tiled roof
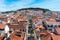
pixel 57 30
pixel 14 37
pixel 45 35
pixel 45 32
pixel 53 22
pixel 2 26
pixel 48 37
pixel 55 37
pixel 22 19
pixel 1 37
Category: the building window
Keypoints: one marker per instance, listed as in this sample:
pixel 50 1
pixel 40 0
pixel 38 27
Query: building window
pixel 59 26
pixel 50 29
pixel 55 26
pixel 50 25
pixel 42 30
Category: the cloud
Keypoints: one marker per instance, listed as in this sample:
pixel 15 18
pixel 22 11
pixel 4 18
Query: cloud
pixel 21 4
pixel 2 5
pixel 14 5
pixel 49 4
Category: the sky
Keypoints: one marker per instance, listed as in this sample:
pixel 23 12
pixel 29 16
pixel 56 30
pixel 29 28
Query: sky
pixel 8 5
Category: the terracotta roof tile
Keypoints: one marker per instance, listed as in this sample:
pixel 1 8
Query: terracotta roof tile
pixel 22 19
pixel 45 35
pixel 14 37
pixel 45 32
pixel 2 26
pixel 48 37
pixel 55 37
pixel 57 30
pixel 53 22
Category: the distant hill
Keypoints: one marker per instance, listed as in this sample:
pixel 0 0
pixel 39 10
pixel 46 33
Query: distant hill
pixel 35 9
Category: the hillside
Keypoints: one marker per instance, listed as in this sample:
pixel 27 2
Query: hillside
pixel 27 11
pixel 35 9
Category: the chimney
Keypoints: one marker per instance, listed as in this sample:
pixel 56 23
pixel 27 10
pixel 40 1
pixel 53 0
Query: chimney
pixel 8 20
pixel 6 29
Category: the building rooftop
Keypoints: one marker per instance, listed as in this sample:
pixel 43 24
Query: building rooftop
pixel 57 31
pixel 55 37
pixel 17 35
pixel 56 23
pixel 2 26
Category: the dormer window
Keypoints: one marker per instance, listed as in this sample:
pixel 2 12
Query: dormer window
pixel 42 30
pixel 10 31
pixel 59 25
pixel 50 25
pixel 19 34
pixel 55 26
